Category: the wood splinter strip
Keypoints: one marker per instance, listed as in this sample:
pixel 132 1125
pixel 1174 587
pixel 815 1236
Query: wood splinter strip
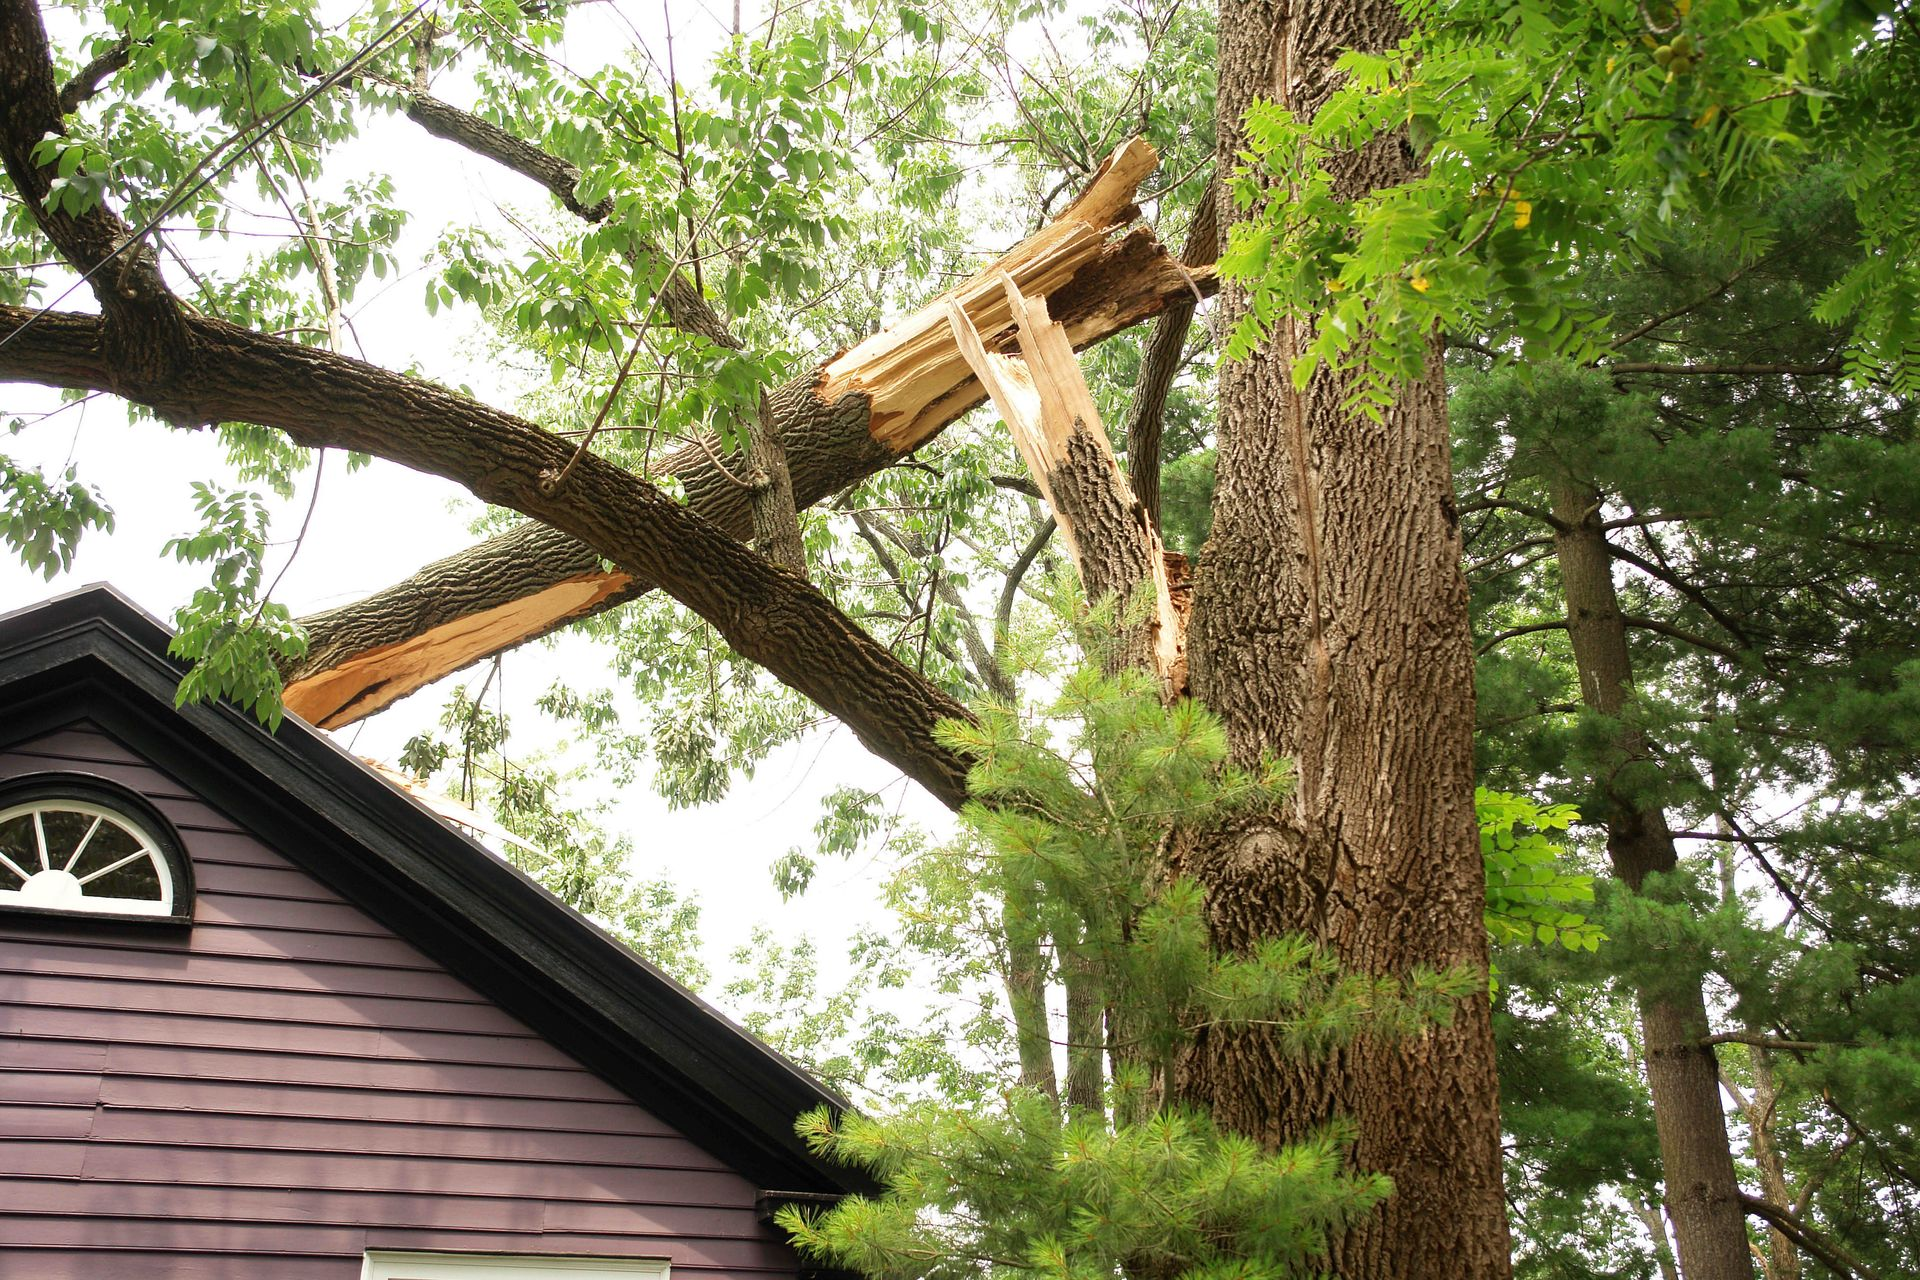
pixel 1043 397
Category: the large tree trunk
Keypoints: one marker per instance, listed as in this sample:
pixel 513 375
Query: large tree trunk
pixel 1330 625
pixel 1703 1191
pixel 861 411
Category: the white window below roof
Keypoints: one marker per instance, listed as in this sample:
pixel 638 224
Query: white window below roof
pixel 384 1264
pixel 61 854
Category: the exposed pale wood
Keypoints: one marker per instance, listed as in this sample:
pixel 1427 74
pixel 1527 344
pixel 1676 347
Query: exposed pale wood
pixel 363 683
pixel 1042 395
pixel 869 406
pixel 912 372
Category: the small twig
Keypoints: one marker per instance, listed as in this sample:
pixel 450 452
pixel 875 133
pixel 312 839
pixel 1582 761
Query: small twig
pixel 1511 632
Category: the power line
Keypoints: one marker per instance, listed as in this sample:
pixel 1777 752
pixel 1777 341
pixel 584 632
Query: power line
pixel 263 132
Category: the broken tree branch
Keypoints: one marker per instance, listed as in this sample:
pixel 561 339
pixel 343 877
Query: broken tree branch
pixel 319 399
pixel 862 411
pixel 1043 397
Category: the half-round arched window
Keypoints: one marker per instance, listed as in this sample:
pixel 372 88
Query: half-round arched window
pixel 77 845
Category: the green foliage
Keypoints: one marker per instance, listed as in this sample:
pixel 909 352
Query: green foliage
pixel 42 520
pixel 1528 896
pixel 1009 1190
pixel 234 636
pixel 1550 132
pixel 565 847
pixel 1065 844
pixel 1774 705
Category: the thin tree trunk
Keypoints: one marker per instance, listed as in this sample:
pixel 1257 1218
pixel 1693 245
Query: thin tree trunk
pixel 1330 625
pixel 1783 1256
pixel 1656 1224
pixel 1086 1033
pixel 1703 1191
pixel 1027 994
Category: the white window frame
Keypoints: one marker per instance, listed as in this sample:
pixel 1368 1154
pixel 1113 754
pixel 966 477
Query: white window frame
pixel 87 905
pixel 397 1264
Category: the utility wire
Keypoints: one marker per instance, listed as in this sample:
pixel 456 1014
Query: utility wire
pixel 264 130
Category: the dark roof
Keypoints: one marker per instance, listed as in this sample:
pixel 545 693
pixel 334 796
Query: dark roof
pixel 94 654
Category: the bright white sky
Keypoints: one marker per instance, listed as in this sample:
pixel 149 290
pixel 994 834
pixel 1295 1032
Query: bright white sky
pixel 378 525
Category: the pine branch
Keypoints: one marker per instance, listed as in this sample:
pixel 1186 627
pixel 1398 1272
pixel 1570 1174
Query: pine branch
pixel 1692 593
pixel 1541 514
pixel 1825 368
pixel 1510 633
pixel 1772 1042
pixel 1679 633
pixel 1814 1242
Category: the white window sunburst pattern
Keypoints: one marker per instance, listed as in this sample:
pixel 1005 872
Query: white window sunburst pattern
pixel 74 855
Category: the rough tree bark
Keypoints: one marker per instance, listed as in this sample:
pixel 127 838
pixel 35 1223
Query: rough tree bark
pixel 1160 363
pixel 193 370
pixel 1332 583
pixel 862 411
pixel 1696 1159
pixel 1043 398
pixel 1330 625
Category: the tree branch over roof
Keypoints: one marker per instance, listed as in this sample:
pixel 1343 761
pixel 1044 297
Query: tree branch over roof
pixel 194 370
pixel 322 400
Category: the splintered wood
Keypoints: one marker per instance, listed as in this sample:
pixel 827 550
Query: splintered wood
pixel 1101 273
pixel 915 377
pixel 1042 395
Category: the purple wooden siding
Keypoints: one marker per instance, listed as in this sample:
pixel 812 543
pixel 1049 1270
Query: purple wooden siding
pixel 290 1084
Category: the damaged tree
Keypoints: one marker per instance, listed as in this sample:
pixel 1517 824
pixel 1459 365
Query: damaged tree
pixel 864 410
pixel 1328 616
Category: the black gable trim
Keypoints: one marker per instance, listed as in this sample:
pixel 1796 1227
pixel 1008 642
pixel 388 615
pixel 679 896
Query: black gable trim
pixel 94 655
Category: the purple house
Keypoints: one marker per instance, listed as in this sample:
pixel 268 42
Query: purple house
pixel 264 1017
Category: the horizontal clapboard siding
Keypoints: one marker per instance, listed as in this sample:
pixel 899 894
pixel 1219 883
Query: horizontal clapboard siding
pixel 289 1084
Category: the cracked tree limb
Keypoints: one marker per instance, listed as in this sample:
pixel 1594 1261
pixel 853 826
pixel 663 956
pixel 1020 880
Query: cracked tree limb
pixel 193 370
pixel 322 400
pixel 862 411
pixel 1042 394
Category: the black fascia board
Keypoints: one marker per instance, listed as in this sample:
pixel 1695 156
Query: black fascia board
pixel 94 655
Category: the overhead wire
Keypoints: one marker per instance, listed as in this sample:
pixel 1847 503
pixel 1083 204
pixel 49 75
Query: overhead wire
pixel 262 130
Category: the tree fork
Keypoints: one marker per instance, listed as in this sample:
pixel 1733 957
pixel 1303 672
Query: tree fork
pixel 860 412
pixel 770 501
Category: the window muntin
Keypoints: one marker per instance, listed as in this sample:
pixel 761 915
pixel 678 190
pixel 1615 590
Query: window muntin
pixel 67 854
